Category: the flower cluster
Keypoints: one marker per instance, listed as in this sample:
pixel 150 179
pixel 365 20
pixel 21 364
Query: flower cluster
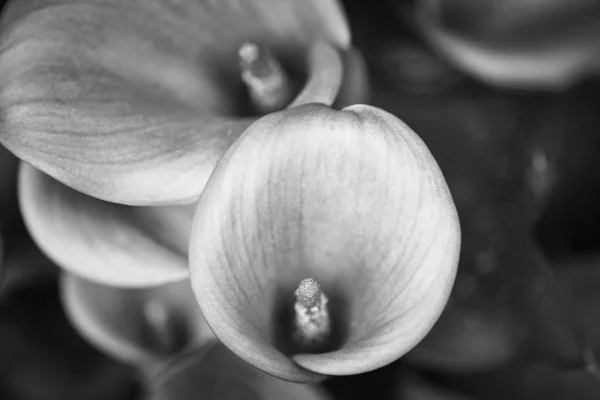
pixel 209 164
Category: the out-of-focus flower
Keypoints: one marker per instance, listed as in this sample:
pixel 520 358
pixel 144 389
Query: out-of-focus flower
pixel 144 327
pixel 135 102
pixel 325 242
pixel 218 374
pixel 548 44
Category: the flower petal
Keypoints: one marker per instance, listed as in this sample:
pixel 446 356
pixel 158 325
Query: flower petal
pixel 523 43
pixel 144 327
pixel 134 102
pixel 352 199
pixel 104 242
pixel 219 374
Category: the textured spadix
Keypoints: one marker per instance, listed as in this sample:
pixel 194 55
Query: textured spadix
pixel 135 101
pixel 352 199
pixel 143 327
pixel 547 44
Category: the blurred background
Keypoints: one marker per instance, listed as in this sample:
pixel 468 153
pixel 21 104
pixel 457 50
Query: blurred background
pixel 519 148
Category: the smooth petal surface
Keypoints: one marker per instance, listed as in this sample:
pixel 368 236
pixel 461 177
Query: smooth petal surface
pixel 352 199
pixel 219 374
pixel 144 327
pixel 548 44
pixel 134 102
pixel 104 242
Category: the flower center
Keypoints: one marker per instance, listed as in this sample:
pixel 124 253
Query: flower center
pixel 269 86
pixel 306 320
pixel 312 324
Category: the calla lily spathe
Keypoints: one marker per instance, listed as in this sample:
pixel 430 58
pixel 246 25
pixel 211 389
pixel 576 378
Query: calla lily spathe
pixel 135 103
pixel 352 199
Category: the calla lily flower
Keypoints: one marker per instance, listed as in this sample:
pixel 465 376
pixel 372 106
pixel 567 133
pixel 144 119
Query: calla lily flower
pixel 135 102
pixel 530 44
pixel 138 110
pixel 325 243
pixel 145 327
pixel 219 375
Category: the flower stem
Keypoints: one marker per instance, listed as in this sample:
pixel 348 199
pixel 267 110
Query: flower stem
pixel 312 324
pixel 269 87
